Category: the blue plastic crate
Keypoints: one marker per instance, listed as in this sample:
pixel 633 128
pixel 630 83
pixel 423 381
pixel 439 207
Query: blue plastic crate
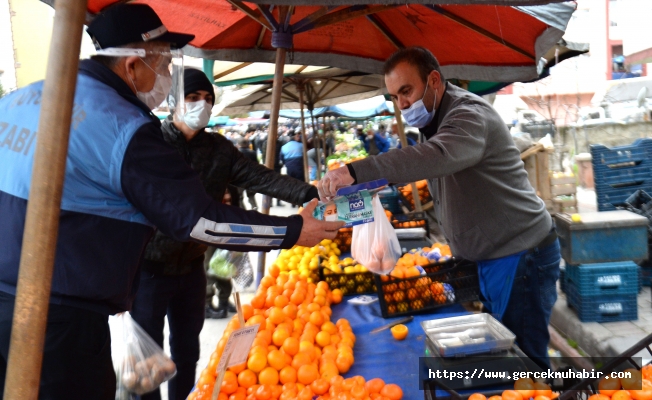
pixel 645 276
pixel 624 177
pixel 389 199
pixel 562 279
pixel 638 153
pixel 604 278
pixel 602 308
pixel 610 198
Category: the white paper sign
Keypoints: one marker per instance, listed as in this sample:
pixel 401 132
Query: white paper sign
pixel 238 346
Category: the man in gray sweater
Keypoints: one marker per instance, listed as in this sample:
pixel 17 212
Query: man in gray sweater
pixel 483 200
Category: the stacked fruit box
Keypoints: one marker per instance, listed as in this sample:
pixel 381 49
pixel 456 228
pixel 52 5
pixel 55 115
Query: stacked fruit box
pixel 353 282
pixel 620 171
pixel 450 282
pixel 411 220
pixel 343 239
pixel 601 278
pixel 407 199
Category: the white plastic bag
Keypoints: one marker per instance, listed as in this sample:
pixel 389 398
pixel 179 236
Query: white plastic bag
pixel 140 364
pixel 375 244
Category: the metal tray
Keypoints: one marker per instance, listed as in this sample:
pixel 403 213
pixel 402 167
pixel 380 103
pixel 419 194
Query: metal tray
pixel 468 334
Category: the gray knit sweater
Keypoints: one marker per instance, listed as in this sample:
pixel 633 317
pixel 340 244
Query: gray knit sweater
pixel 483 200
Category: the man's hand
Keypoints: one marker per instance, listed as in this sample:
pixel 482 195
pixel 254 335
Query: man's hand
pixel 314 230
pixel 332 181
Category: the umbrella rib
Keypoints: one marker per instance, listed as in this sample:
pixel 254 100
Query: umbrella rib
pixel 290 95
pixel 309 18
pixel 267 14
pixel 358 84
pixel 333 88
pixel 343 15
pixel 261 35
pixel 386 32
pixel 231 70
pixel 254 14
pixel 480 30
pixel 301 69
pixel 324 85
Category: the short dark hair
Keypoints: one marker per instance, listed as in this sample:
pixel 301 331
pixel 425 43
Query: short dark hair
pixel 419 57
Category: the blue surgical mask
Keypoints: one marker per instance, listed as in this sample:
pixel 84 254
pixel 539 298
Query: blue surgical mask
pixel 417 115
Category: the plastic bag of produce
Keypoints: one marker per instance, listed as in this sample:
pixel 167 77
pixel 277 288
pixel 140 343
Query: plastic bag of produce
pixel 221 264
pixel 140 364
pixel 375 244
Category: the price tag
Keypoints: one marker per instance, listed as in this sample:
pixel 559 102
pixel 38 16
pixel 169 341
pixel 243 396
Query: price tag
pixel 237 347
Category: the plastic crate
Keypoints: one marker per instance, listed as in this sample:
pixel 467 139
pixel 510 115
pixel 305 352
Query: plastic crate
pixel 602 237
pixel 645 276
pixel 605 158
pixel 451 282
pixel 403 221
pixel 624 177
pixel 343 239
pixel 407 200
pixel 562 279
pixel 350 284
pixel 389 199
pixel 605 278
pixel 602 308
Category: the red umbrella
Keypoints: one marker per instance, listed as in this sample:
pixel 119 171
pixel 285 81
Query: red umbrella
pixel 471 42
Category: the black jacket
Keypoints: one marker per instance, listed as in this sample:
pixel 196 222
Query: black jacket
pixel 219 164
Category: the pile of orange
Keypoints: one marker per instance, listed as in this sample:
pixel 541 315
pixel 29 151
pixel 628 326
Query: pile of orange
pixel 298 352
pixel 524 389
pixel 637 386
pixel 424 193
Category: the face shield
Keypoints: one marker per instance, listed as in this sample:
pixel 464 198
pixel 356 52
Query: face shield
pixel 165 62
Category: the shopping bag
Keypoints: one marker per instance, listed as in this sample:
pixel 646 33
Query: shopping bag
pixel 140 364
pixel 244 272
pixel 221 264
pixel 375 244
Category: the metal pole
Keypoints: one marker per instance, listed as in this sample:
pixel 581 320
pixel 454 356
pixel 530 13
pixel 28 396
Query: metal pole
pixel 323 144
pixel 306 171
pixel 404 144
pixel 42 219
pixel 270 155
pixel 317 148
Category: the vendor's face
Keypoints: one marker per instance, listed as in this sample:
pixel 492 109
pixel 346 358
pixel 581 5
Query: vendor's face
pixel 143 72
pixel 405 85
pixel 200 95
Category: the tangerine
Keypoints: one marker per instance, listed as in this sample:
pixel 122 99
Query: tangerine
pixel 608 386
pixel 392 391
pixel 247 378
pixel 276 360
pixel 307 374
pixel 268 376
pixel 399 332
pixel 376 385
pixel 288 375
pixel 291 346
pixel 257 362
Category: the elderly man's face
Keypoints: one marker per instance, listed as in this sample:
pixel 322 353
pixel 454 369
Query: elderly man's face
pixel 405 85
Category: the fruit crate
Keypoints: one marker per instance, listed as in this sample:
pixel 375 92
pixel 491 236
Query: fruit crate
pixel 602 308
pixel 451 282
pixel 606 158
pixel 604 278
pixel 630 358
pixel 355 283
pixel 405 194
pixel 343 239
pixel 411 220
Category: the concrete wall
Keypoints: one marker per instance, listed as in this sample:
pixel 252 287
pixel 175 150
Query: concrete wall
pixel 608 135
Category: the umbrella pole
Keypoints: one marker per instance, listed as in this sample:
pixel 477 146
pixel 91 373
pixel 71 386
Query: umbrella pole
pixel 316 134
pixel 270 155
pixel 306 171
pixel 42 219
pixel 404 144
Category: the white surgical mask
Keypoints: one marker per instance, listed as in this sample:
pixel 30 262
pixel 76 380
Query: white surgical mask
pixel 197 115
pixel 161 88
pixel 417 115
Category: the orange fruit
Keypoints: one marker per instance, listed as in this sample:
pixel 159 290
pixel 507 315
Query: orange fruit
pixel 306 347
pixel 608 386
pixel 320 386
pixel 276 315
pixel 230 382
pixel 633 381
pixel 541 389
pixel 336 296
pixel 623 395
pixel 511 395
pixel 257 319
pixel 495 398
pixel 305 394
pixel 301 359
pixel 399 331
pixel 477 396
pixel 257 362
pixel 329 370
pixel 541 398
pixel 236 369
pixel 374 385
pixel 247 311
pixel 291 346
pixel 276 360
pixel 290 310
pixel 263 392
pixel 281 301
pixel 329 328
pixel 599 397
pixel 323 339
pixel 268 376
pixel 288 375
pixel 297 297
pixel 247 378
pixel 307 374
pixel 525 387
pixel 267 281
pixel 279 336
pixel 392 391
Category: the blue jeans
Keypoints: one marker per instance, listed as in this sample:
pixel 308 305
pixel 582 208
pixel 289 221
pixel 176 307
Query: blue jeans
pixel 534 293
pixel 182 299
